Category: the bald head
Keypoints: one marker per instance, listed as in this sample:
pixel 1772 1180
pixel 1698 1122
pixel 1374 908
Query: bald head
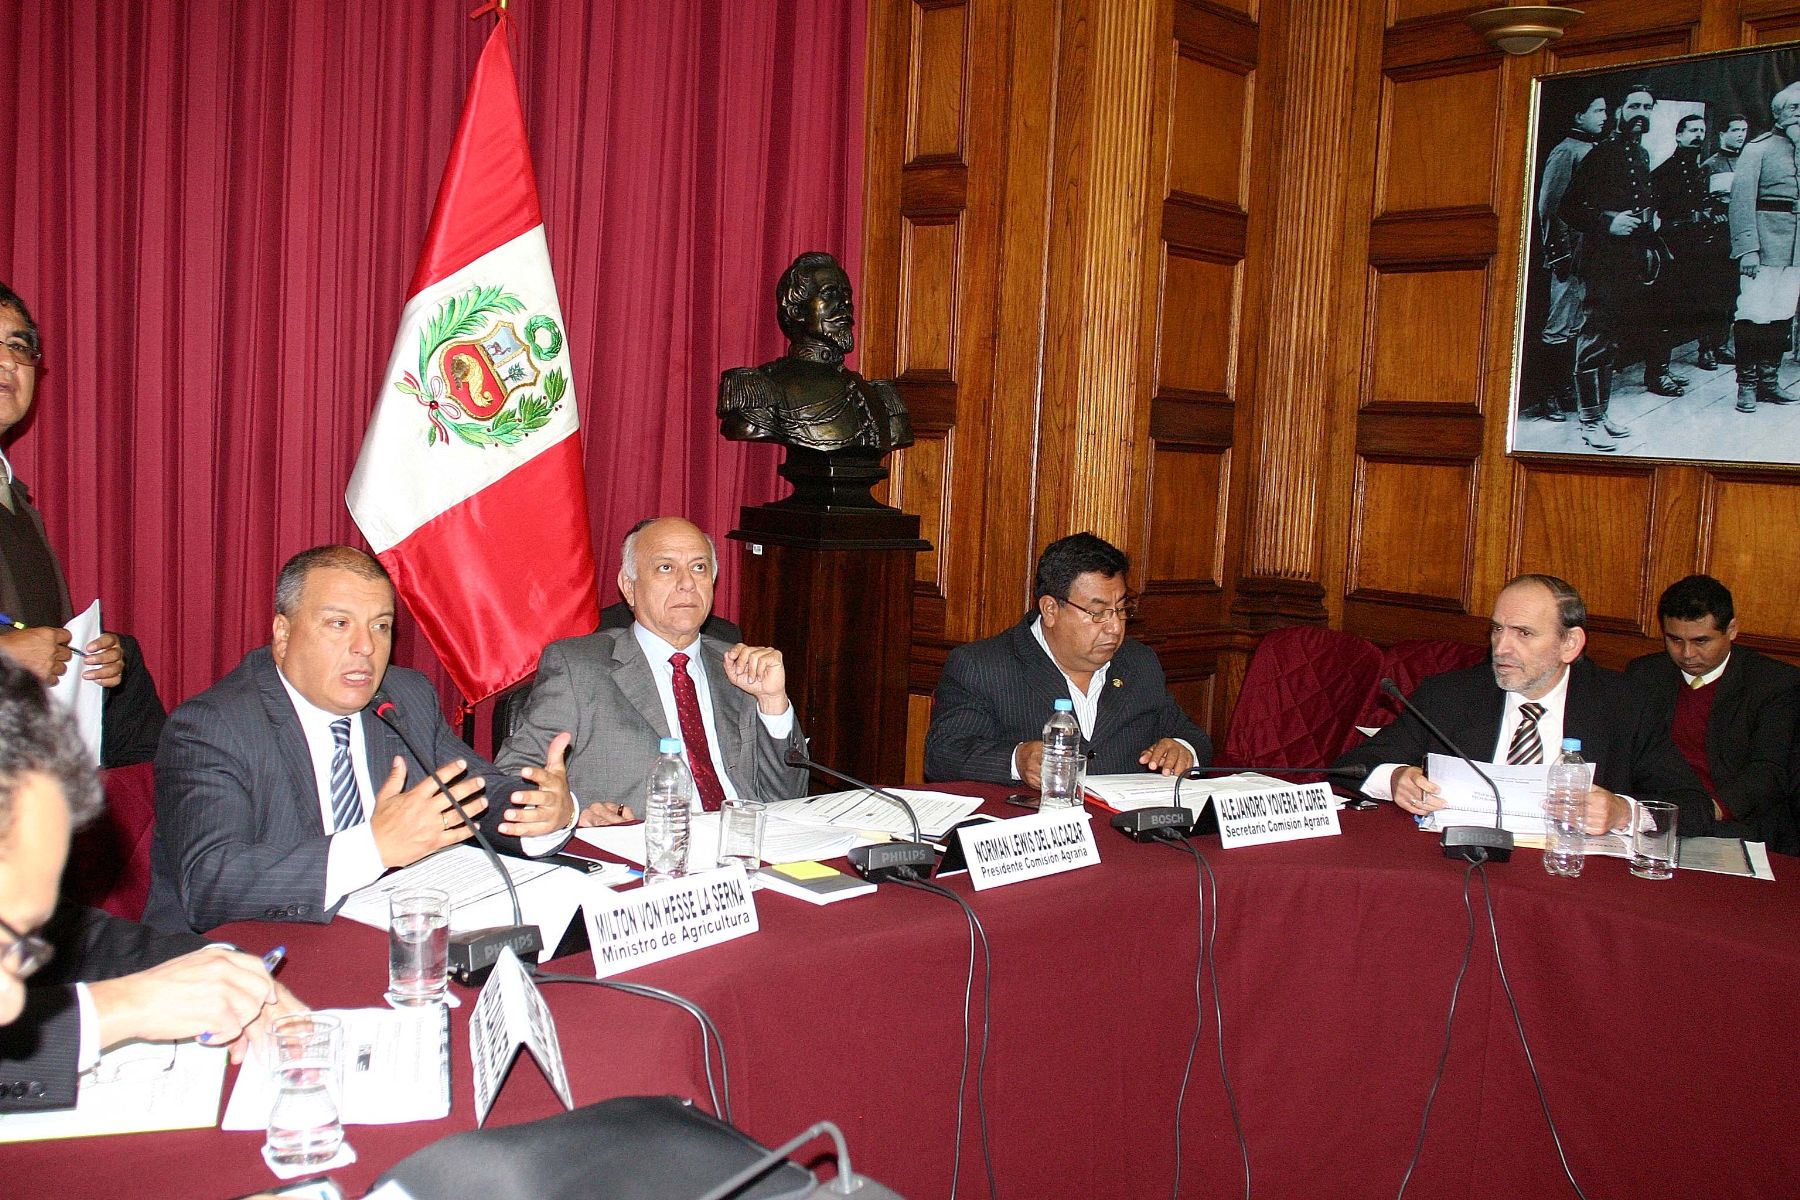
pixel 666 575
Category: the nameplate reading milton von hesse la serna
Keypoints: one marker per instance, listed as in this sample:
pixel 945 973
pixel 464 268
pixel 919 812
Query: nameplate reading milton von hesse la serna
pixel 658 921
pixel 1278 813
pixel 1044 843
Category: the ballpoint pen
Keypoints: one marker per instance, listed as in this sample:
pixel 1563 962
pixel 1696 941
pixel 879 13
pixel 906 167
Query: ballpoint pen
pixel 8 621
pixel 270 961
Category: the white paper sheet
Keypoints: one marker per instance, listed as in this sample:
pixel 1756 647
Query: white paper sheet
pixel 784 840
pixel 138 1087
pixel 509 1013
pixel 1469 800
pixel 549 894
pixel 396 1070
pixel 869 814
pixel 82 697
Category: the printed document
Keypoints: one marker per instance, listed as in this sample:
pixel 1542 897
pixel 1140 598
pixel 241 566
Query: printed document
pixel 396 1070
pixel 784 840
pixel 548 894
pixel 137 1087
pixel 872 815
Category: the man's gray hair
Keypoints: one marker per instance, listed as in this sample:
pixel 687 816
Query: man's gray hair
pixel 292 580
pixel 1785 101
pixel 628 552
pixel 38 738
pixel 1571 609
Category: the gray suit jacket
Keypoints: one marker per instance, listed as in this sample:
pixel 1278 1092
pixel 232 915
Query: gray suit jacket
pixel 239 836
pixel 998 692
pixel 598 687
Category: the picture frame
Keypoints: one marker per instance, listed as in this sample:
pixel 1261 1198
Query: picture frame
pixel 1633 290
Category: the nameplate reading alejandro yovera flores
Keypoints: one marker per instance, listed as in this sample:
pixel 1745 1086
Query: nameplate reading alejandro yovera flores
pixel 1027 847
pixel 658 921
pixel 1277 814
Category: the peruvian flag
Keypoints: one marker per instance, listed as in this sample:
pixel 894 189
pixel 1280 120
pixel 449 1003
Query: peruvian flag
pixel 469 486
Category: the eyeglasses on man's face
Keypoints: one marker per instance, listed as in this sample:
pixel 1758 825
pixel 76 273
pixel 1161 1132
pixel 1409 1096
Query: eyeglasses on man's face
pixel 21 352
pixel 22 953
pixel 1123 611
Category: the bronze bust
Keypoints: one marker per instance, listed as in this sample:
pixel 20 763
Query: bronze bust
pixel 807 400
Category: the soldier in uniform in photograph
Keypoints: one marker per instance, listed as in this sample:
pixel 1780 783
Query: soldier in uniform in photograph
pixel 1611 203
pixel 1764 197
pixel 1694 243
pixel 1561 244
pixel 1722 280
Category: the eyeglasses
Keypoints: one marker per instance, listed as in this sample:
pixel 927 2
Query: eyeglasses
pixel 22 956
pixel 22 352
pixel 1124 611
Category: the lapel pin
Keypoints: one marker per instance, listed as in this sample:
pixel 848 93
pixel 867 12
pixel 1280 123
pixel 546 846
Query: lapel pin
pixel 1118 682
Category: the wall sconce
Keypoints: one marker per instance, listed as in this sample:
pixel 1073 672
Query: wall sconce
pixel 1523 29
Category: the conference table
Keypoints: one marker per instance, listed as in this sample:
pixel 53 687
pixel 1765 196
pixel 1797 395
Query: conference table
pixel 1660 1016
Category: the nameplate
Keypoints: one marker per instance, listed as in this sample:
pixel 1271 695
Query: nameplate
pixel 1045 843
pixel 1277 814
pixel 665 920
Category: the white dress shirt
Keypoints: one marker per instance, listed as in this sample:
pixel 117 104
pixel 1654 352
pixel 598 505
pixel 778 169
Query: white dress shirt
pixel 1379 784
pixel 663 672
pixel 1709 677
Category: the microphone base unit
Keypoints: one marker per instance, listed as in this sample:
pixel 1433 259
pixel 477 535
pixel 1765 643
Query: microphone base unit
pixel 1153 824
pixel 885 861
pixel 473 954
pixel 1478 843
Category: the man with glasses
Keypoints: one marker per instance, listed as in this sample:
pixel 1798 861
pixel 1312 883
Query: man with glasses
pixel 134 983
pixel 34 597
pixel 995 695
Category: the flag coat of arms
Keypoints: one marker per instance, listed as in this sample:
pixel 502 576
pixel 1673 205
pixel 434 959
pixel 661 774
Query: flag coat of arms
pixel 470 486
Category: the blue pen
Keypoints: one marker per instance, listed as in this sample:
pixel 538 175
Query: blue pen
pixel 7 620
pixel 270 961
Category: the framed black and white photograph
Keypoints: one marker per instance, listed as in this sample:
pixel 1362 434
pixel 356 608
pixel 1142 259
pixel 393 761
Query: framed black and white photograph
pixel 1661 271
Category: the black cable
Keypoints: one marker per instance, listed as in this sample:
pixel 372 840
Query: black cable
pixel 987 1008
pixel 1209 955
pixel 1519 1024
pixel 1199 1005
pixel 1449 1024
pixel 682 1002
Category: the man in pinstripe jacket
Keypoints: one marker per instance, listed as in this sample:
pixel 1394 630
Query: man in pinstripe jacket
pixel 995 695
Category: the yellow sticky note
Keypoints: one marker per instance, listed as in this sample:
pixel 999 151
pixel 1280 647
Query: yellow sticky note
pixel 806 870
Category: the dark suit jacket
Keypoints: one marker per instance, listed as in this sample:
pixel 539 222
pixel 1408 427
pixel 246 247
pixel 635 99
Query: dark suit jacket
pixel 9 584
pixel 1749 738
pixel 239 836
pixel 1627 743
pixel 599 688
pixel 999 691
pixel 38 1051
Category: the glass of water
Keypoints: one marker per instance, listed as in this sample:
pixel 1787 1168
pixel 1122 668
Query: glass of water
pixel 418 946
pixel 308 1049
pixel 741 826
pixel 1654 847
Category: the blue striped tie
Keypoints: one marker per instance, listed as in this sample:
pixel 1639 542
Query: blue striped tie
pixel 346 807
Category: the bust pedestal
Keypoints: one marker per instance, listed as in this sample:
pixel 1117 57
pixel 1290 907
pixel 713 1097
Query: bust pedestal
pixel 830 585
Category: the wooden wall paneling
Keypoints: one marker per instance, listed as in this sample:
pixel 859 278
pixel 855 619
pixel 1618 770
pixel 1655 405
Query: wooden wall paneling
pixel 1438 139
pixel 1750 539
pixel 1188 500
pixel 1590 525
pixel 928 271
pixel 920 486
pixel 1425 333
pixel 1412 539
pixel 937 92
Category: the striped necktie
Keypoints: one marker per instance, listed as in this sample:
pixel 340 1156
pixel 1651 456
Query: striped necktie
pixel 1527 747
pixel 346 807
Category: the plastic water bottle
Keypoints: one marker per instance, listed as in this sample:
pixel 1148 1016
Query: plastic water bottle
pixel 1061 770
pixel 667 800
pixel 1565 802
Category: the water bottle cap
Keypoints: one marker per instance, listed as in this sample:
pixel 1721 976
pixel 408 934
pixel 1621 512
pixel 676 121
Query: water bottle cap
pixel 1571 743
pixel 1065 705
pixel 669 746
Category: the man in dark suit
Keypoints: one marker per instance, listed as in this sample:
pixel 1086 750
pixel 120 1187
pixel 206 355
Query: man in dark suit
pixel 621 690
pixel 1731 711
pixel 995 695
pixel 34 593
pixel 1536 690
pixel 263 781
pixel 74 981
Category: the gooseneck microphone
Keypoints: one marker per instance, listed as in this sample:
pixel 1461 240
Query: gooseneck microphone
pixel 1471 843
pixel 1350 774
pixel 473 953
pixel 885 860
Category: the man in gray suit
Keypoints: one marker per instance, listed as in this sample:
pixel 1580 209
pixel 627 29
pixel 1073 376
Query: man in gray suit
pixel 73 980
pixel 995 695
pixel 620 690
pixel 262 779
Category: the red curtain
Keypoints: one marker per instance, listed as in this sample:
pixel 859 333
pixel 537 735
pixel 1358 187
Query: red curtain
pixel 213 208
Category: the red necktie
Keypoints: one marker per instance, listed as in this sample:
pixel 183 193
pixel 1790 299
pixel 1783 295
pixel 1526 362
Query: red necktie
pixel 693 736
